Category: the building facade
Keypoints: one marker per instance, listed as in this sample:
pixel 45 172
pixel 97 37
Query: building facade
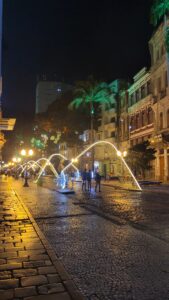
pixel 47 92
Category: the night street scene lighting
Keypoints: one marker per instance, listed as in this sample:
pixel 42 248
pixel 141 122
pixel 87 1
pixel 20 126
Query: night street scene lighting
pixel 84 123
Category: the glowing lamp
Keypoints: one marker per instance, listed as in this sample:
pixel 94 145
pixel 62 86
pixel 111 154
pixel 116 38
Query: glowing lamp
pixel 118 153
pixel 23 152
pixel 124 153
pixel 30 152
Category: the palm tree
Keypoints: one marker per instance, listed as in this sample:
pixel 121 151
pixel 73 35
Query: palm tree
pixel 91 93
pixel 159 10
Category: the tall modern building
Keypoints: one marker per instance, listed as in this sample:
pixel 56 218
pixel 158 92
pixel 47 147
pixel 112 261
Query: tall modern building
pixel 47 92
pixel 5 124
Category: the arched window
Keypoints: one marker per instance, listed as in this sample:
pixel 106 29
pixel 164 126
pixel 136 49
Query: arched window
pixel 132 125
pixel 161 120
pixel 137 121
pixel 150 116
pixel 168 118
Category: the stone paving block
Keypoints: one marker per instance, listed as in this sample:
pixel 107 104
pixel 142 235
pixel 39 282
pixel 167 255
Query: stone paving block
pixel 47 270
pixel 17 259
pixel 31 252
pixel 53 278
pixel 29 239
pixel 7 245
pixel 6 295
pixel 25 292
pixel 33 280
pixel 59 296
pixel 10 266
pixel 24 272
pixel 51 288
pixel 48 262
pixel 36 246
pixel 5 275
pixel 32 264
pixel 13 248
pixel 2 261
pixel 9 283
pixel 27 234
pixel 8 254
pixel 39 257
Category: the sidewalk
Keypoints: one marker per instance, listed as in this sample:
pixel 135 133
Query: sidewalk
pixel 29 267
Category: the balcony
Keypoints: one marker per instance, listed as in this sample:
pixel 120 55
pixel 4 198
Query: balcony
pixel 143 103
pixel 148 129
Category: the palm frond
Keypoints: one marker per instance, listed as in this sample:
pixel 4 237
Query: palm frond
pixel 76 103
pixel 158 10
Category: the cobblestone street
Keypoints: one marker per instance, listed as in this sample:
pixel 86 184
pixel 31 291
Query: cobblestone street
pixel 114 245
pixel 29 268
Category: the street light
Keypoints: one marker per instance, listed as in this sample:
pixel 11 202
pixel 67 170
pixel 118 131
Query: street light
pixel 26 154
pixel 16 159
pixel 74 160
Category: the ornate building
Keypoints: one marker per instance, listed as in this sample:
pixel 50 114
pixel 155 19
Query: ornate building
pixel 5 124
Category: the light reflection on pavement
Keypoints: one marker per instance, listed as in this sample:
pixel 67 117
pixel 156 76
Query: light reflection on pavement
pixel 108 261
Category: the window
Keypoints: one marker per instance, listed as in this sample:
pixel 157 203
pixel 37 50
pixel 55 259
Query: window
pixel 143 119
pixel 148 87
pixel 137 122
pixel 113 134
pixel 137 96
pixel 166 79
pixel 150 116
pixel 132 99
pixel 161 120
pixel 132 124
pixel 168 118
pixel 143 91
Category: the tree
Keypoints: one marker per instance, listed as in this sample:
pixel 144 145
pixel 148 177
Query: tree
pixel 91 94
pixel 139 158
pixel 59 124
pixel 118 88
pixel 159 10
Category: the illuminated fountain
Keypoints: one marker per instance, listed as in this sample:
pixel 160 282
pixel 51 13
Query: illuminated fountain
pixel 62 179
pixel 127 180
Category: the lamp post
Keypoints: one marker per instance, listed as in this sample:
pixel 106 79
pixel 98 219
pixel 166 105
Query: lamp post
pixel 123 155
pixel 26 154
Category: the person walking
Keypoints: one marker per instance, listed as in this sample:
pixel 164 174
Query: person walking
pixel 97 179
pixel 89 179
pixel 84 178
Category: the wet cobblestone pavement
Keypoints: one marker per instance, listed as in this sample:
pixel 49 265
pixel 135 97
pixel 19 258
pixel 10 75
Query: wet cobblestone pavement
pixel 29 268
pixel 114 244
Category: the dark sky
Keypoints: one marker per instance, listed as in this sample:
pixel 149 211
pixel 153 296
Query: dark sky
pixel 73 39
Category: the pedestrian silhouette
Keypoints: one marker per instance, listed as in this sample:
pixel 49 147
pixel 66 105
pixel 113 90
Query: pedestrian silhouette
pixel 84 178
pixel 89 179
pixel 97 179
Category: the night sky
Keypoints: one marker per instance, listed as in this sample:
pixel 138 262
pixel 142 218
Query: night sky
pixel 71 39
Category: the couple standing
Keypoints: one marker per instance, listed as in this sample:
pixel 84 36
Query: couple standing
pixel 87 178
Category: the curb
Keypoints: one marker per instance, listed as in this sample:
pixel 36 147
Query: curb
pixel 67 281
